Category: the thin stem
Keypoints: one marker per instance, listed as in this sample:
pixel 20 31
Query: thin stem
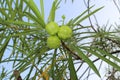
pixel 73 54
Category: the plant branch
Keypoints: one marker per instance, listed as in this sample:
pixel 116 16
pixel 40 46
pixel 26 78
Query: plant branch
pixel 88 6
pixel 73 53
pixel 114 52
pixel 116 6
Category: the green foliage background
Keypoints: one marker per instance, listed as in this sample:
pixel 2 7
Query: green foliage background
pixel 22 28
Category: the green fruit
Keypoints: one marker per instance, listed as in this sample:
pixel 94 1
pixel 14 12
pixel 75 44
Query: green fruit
pixel 52 28
pixel 53 42
pixel 65 32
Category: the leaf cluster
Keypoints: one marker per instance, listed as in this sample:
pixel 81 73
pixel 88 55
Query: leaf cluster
pixel 22 30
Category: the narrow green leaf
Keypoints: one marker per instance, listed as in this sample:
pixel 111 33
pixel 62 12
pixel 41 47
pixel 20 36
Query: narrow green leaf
pixel 53 10
pixel 21 5
pixel 73 74
pixel 72 21
pixel 84 37
pixel 33 6
pixel 42 8
pixel 87 60
pixel 53 65
pixel 32 17
pixel 107 54
pixel 9 3
pixel 80 20
pixel 2 10
pixel 4 46
pixel 102 57
pixel 35 10
pixel 78 17
pixel 30 72
pixel 18 23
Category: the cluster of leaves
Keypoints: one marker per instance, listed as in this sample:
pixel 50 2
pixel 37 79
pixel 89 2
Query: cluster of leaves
pixel 22 29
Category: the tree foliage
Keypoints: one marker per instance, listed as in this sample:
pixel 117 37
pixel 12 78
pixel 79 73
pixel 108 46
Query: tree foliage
pixel 22 30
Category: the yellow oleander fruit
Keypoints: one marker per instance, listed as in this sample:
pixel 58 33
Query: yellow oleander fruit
pixel 52 28
pixel 53 42
pixel 65 32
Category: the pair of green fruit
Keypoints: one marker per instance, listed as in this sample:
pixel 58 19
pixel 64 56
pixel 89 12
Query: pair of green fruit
pixel 57 33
